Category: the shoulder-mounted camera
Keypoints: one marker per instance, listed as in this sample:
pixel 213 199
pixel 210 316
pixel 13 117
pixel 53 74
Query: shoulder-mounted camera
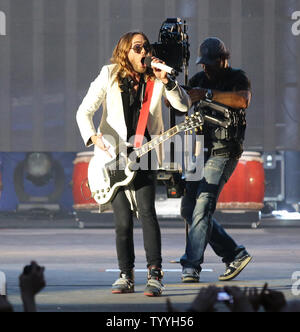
pixel 173 46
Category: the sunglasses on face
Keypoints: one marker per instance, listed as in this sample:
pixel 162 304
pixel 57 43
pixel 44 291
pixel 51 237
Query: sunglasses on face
pixel 137 48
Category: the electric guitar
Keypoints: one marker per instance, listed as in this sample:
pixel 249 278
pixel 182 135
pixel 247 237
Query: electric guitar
pixel 106 175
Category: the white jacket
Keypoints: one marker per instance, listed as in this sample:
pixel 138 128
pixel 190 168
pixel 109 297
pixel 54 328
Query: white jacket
pixel 106 92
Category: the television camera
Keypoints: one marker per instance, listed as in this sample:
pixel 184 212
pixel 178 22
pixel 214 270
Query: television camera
pixel 173 48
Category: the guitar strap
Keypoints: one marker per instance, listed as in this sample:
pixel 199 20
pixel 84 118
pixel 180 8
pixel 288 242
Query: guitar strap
pixel 144 114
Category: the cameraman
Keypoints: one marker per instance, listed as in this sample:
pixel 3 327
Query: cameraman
pixel 217 82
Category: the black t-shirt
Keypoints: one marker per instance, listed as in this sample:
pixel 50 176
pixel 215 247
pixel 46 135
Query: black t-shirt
pixel 132 103
pixel 231 79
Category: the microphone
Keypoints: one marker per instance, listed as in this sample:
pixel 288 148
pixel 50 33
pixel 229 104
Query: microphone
pixel 149 63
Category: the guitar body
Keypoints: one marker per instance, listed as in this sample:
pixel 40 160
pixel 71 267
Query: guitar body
pixel 107 174
pixel 105 178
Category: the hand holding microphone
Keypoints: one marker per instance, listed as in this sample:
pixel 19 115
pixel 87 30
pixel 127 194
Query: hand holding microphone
pixel 160 69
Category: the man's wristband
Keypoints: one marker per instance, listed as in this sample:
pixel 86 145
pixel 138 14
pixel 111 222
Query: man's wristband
pixel 170 85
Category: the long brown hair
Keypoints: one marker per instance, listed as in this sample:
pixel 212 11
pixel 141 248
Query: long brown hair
pixel 120 57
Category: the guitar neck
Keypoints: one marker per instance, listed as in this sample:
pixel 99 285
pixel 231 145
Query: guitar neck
pixel 144 149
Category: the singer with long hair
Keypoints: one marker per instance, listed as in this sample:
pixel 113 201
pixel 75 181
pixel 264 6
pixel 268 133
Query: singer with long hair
pixel 120 89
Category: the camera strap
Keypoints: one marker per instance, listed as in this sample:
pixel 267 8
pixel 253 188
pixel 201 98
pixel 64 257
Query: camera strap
pixel 144 114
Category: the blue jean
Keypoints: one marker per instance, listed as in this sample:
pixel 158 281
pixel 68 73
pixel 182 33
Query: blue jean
pixel 197 208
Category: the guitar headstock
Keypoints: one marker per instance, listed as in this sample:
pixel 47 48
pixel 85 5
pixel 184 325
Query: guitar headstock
pixel 193 121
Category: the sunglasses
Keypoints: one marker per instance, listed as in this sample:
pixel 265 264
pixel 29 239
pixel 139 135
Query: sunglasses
pixel 137 48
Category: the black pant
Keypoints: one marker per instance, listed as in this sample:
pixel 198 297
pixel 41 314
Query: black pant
pixel 144 185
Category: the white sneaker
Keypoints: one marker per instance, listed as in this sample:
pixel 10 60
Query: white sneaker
pixel 125 284
pixel 2 284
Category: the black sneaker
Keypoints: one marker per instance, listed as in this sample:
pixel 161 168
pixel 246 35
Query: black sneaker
pixel 235 268
pixel 124 285
pixel 190 275
pixel 154 285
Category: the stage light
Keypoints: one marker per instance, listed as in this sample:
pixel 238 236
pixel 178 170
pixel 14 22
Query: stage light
pixel 269 160
pixel 42 171
pixel 38 168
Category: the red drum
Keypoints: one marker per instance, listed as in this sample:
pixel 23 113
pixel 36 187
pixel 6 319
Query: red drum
pixel 246 186
pixel 81 191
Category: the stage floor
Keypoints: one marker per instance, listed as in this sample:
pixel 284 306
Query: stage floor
pixel 76 261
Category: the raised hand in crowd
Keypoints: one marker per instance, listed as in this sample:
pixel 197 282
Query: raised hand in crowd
pixel 31 282
pixel 270 300
pixel 273 301
pixel 205 300
pixel 255 297
pixel 240 301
